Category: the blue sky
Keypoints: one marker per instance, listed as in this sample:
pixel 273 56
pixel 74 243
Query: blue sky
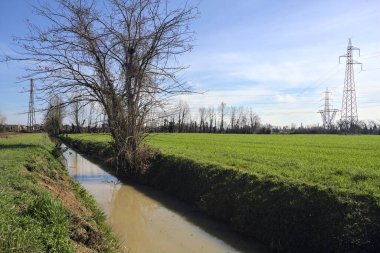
pixel 277 57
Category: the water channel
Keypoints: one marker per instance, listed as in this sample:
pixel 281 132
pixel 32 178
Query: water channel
pixel 146 220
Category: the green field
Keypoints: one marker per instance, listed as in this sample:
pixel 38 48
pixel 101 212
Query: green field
pixel 41 208
pixel 347 163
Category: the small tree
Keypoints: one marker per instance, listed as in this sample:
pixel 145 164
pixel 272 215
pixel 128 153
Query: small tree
pixel 183 113
pixel 54 116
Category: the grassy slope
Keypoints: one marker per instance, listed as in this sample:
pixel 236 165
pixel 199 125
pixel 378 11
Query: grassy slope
pixel 41 208
pixel 343 163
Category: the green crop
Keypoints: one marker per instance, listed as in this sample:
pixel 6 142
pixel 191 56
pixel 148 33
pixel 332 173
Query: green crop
pixel 345 163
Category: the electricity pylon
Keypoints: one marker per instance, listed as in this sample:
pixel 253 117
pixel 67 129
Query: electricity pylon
pixel 349 114
pixel 328 113
pixel 31 112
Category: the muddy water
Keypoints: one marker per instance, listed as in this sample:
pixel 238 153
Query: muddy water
pixel 146 220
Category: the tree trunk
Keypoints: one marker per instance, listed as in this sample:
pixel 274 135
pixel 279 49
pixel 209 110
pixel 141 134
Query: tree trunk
pixel 125 134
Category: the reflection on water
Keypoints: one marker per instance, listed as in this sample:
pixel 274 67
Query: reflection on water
pixel 148 221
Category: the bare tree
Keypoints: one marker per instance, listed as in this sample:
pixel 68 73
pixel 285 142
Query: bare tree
pixel 90 115
pixel 202 116
pixel 78 114
pixel 233 111
pixel 183 113
pixel 211 117
pixel 241 119
pixel 3 120
pixel 121 54
pixel 254 120
pixel 54 116
pixel 222 113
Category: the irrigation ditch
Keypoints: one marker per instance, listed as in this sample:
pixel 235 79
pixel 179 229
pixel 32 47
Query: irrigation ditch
pixel 148 220
pixel 284 215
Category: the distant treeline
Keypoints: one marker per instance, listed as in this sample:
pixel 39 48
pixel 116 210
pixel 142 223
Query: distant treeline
pixel 170 126
pixel 361 127
pixel 242 120
pixel 180 119
pixel 223 119
pixel 195 127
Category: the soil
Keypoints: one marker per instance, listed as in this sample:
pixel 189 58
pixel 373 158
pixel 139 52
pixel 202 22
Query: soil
pixel 6 135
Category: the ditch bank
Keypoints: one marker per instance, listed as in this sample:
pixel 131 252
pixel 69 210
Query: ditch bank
pixel 286 215
pixel 41 208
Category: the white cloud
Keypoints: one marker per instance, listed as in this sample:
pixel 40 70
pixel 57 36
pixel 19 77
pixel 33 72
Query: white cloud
pixel 285 98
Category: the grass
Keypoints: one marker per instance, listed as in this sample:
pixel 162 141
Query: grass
pixel 40 205
pixel 343 163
